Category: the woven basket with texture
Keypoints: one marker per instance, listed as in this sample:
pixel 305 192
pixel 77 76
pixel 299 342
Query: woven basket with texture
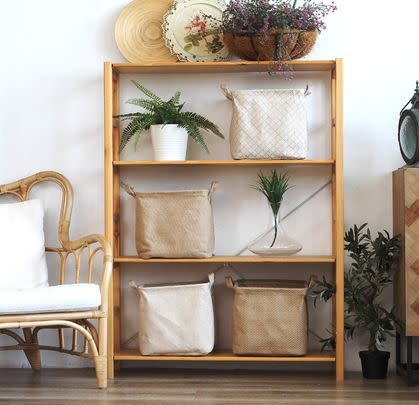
pixel 174 224
pixel 269 317
pixel 275 45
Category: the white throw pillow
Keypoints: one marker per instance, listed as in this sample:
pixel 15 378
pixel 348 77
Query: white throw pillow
pixel 22 246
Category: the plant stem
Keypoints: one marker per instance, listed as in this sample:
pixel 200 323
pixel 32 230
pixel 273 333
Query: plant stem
pixel 275 227
pixel 275 234
pixel 372 346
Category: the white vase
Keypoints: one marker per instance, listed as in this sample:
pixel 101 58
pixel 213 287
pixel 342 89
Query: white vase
pixel 170 142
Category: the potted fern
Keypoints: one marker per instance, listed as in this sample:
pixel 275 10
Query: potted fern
pixel 169 125
pixel 374 261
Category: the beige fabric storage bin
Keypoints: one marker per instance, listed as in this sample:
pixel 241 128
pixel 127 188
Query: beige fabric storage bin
pixel 174 224
pixel 176 319
pixel 268 123
pixel 269 317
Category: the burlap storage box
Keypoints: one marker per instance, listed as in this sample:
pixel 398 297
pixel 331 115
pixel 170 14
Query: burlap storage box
pixel 268 124
pixel 269 317
pixel 174 224
pixel 176 319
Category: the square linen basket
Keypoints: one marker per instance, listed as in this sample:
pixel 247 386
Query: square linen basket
pixel 269 317
pixel 174 224
pixel 176 319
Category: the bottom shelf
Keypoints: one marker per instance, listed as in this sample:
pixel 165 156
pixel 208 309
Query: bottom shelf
pixel 132 354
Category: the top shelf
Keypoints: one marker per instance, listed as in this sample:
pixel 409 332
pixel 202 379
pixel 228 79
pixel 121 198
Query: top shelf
pixel 222 67
pixel 285 162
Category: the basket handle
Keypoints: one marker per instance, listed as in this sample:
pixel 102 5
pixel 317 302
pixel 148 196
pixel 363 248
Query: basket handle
pixel 134 285
pixel 311 281
pixel 229 282
pixel 212 188
pixel 129 189
pixel 227 92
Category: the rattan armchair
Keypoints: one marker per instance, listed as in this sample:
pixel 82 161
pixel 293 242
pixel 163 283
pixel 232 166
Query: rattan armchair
pixel 93 342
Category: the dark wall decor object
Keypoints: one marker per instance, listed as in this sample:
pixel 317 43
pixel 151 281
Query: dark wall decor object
pixel 409 129
pixel 406 281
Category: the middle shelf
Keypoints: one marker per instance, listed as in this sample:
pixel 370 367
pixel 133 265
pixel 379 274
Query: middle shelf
pixel 230 259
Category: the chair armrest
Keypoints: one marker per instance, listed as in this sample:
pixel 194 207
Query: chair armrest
pixel 105 247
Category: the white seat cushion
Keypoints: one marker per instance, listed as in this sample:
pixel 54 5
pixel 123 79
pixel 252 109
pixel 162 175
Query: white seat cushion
pixel 60 298
pixel 22 246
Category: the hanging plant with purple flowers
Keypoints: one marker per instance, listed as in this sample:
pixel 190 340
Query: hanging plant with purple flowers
pixel 279 30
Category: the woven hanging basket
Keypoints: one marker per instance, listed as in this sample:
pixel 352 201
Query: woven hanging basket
pixel 275 45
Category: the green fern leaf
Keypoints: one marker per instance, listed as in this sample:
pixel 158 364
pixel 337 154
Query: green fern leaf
pixel 194 133
pixel 128 133
pixel 145 123
pixel 202 122
pixel 175 99
pixel 148 92
pixel 146 104
pixel 128 116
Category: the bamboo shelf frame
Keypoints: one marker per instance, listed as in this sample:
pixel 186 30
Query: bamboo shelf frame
pixel 113 166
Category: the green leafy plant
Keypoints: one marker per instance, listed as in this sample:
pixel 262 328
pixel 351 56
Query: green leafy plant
pixel 373 264
pixel 325 291
pixel 328 342
pixel 273 187
pixel 160 112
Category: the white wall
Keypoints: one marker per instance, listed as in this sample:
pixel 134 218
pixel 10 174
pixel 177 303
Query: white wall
pixel 52 111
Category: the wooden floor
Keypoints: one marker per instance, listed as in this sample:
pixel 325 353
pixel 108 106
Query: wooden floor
pixel 197 386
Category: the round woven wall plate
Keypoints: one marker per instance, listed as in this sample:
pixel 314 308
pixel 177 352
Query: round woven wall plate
pixel 191 30
pixel 138 32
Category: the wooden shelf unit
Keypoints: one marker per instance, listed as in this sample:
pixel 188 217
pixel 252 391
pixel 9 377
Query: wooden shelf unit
pixel 113 166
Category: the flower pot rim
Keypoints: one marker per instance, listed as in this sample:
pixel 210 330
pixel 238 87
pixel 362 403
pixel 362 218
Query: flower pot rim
pixel 165 125
pixel 374 351
pixel 272 31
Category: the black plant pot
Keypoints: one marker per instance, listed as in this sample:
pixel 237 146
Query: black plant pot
pixel 374 364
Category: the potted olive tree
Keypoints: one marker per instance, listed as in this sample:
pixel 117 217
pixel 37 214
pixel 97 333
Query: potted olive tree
pixel 169 125
pixel 374 261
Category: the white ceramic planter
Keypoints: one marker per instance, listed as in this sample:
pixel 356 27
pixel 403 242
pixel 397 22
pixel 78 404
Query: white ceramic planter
pixel 170 142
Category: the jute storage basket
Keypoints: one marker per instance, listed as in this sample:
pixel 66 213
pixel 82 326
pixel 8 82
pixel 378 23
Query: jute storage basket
pixel 268 123
pixel 176 319
pixel 174 224
pixel 269 317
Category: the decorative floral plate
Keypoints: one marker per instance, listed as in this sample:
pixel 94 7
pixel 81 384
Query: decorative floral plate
pixel 191 30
